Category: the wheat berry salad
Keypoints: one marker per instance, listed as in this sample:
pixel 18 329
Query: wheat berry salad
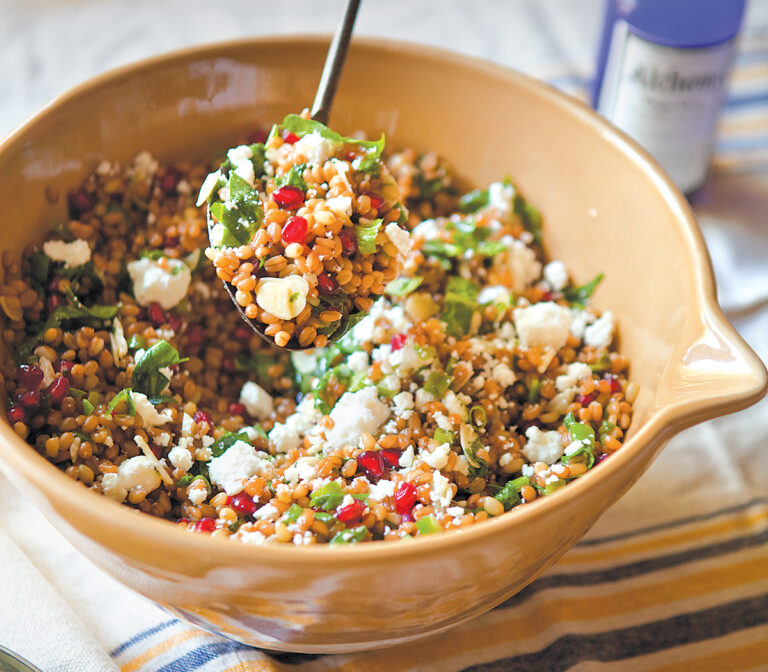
pixel 318 216
pixel 465 377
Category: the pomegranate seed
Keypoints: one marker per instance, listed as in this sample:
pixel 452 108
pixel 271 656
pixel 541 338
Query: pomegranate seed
pixel 372 462
pixel 546 296
pixel 156 450
pixel 259 135
pixel 351 512
pixel 54 301
pixel 326 284
pixel 174 321
pixel 58 389
pixel 405 498
pixel 348 242
pixel 289 137
pixel 30 376
pixel 156 313
pixel 294 230
pixel 30 399
pixel 603 457
pixel 615 385
pixel 204 525
pixel 203 416
pixel 195 336
pixel 243 504
pixel 171 241
pixel 376 200
pixel 407 517
pixel 16 413
pixel 398 341
pixel 228 364
pixel 288 197
pixel 350 155
pixel 179 521
pixel 170 181
pixel 236 408
pixel 586 399
pixel 392 456
pixel 243 333
pixel 53 285
pixel 63 367
pixel 80 202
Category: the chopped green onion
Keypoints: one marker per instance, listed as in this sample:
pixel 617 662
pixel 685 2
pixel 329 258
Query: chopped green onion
pixel 444 436
pixel 478 416
pixel 438 383
pixel 428 525
pixel 403 286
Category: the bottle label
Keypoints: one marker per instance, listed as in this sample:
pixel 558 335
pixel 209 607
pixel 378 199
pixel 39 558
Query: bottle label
pixel 668 99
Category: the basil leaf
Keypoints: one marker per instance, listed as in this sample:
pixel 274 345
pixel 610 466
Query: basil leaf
pixel 350 536
pixel 147 378
pixel 244 217
pixel 490 248
pixel 122 397
pixel 328 497
pixel 223 443
pixel 578 296
pixel 441 248
pixel 296 124
pixel 473 201
pixel 366 236
pixel 293 513
pixel 78 314
pixel 403 286
pixel 460 304
pixel 530 217
pixel 293 178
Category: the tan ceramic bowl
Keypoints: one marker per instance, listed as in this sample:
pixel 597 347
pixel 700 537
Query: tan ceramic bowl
pixel 607 208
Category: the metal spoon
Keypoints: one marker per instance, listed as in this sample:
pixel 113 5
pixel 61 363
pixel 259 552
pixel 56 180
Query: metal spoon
pixel 321 108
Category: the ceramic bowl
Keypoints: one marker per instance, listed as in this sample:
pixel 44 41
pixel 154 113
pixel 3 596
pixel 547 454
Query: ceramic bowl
pixel 607 208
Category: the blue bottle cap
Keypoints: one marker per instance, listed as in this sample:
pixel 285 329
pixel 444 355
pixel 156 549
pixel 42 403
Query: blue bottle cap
pixel 685 24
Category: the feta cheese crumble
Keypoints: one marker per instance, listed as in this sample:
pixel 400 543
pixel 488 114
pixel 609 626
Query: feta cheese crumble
pixel 165 283
pixel 543 446
pixel 236 465
pixel 545 323
pixel 257 400
pixel 73 254
pixel 353 414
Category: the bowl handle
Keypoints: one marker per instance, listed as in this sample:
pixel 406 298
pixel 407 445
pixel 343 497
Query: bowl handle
pixel 716 374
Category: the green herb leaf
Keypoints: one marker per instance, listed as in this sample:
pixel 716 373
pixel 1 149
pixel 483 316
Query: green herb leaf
pixel 530 217
pixel 534 390
pixel 584 434
pixel 605 429
pixel 579 296
pixel 366 236
pixel 241 221
pixel 223 443
pixel 296 124
pixel 87 407
pixel 509 495
pixel 152 254
pixel 473 201
pixel 147 378
pixel 460 304
pixel 444 436
pixel 328 497
pixel 350 536
pixel 293 512
pixel 490 248
pixel 428 525
pixel 78 314
pixel 437 383
pixel 293 178
pixel 403 286
pixel 441 248
pixel 124 396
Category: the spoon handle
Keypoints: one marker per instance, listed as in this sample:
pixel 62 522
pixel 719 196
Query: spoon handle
pixel 334 62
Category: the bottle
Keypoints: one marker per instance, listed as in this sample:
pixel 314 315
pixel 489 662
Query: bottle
pixel 662 76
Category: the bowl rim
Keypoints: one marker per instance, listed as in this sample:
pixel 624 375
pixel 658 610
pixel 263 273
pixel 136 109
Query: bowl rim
pixel 661 423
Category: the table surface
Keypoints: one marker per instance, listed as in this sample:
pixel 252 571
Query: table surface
pixel 51 45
